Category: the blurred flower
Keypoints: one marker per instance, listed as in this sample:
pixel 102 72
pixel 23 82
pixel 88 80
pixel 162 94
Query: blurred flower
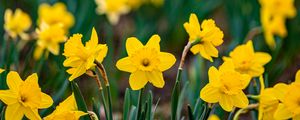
pixel 213 117
pixel 273 15
pixel 113 9
pixel 24 97
pixel 269 100
pixel 49 38
pixel 17 23
pixel 290 99
pixel 81 58
pixel 226 87
pixel 135 4
pixel 1 70
pixel 145 63
pixel 247 61
pixel 66 110
pixel 157 2
pixel 209 35
pixel 56 14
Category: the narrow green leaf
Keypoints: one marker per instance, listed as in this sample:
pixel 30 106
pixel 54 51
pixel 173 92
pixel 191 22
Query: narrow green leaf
pixel 79 100
pixel 181 100
pixel 190 113
pixel 154 110
pixel 133 113
pixel 96 108
pixel 127 104
pixel 197 109
pixel 175 95
pixel 149 108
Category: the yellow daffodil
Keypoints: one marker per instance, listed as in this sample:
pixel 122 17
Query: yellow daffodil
pixel 213 117
pixel 56 14
pixel 289 106
pixel 16 24
pixel 269 100
pixel 81 58
pixel 23 97
pixel 113 9
pixel 49 38
pixel 226 87
pixel 209 35
pixel 1 70
pixel 66 110
pixel 135 4
pixel 247 61
pixel 145 63
pixel 273 15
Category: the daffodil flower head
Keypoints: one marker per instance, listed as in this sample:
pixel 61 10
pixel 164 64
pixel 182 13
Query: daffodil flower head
pixel 56 14
pixel 226 87
pixel 24 97
pixel 113 9
pixel 49 37
pixel 67 109
pixel 213 117
pixel 208 33
pixel 13 26
pixel 145 63
pixel 81 58
pixel 247 61
pixel 290 101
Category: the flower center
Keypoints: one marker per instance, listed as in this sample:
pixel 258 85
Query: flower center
pixel 145 62
pixel 23 99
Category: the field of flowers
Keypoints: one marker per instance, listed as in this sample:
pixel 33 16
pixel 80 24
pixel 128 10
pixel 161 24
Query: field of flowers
pixel 149 59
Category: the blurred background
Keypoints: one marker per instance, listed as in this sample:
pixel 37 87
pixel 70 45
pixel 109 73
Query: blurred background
pixel 165 17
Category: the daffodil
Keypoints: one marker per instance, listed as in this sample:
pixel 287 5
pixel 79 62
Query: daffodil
pixel 247 61
pixel 145 63
pixel 289 106
pixel 15 24
pixel 66 110
pixel 23 97
pixel 113 9
pixel 1 70
pixel 81 58
pixel 226 87
pixel 269 100
pixel 56 14
pixel 273 15
pixel 208 33
pixel 135 4
pixel 213 117
pixel 49 38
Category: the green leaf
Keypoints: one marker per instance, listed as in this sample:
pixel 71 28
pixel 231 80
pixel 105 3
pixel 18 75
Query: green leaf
pixel 181 100
pixel 79 100
pixel 175 95
pixel 190 113
pixel 127 104
pixel 133 113
pixel 197 109
pixel 149 108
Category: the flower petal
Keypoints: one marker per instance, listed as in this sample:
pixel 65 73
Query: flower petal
pixel 154 42
pixel 93 42
pixel 156 78
pixel 80 70
pixel 33 79
pixel 262 58
pixel 226 102
pixel 281 90
pixel 138 80
pixel 210 49
pixel 13 81
pixel 204 54
pixel 195 49
pixel 282 112
pixel 132 44
pixel 240 100
pixel 297 78
pixel 38 52
pixel 210 94
pixel 32 114
pixel 125 64
pixel 8 97
pixel 1 70
pixel 14 112
pixel 167 60
pixel 214 76
pixel 103 52
pixel 227 66
pixel 46 101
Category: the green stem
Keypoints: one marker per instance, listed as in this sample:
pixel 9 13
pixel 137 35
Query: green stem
pixel 104 103
pixel 139 105
pixel 243 110
pixel 109 102
pixel 231 114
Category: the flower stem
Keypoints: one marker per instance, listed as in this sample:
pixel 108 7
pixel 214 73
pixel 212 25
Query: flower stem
pixel 253 32
pixel 139 104
pixel 244 110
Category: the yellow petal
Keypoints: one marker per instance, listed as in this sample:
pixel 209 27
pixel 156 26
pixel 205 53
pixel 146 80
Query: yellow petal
pixel 38 52
pixel 262 58
pixel 210 94
pixel 249 46
pixel 32 79
pixel 214 76
pixel 297 78
pixel 154 42
pixel 204 54
pixel 103 52
pixel 296 117
pixel 125 64
pixel 53 48
pixel 281 90
pixel 194 22
pixel 262 83
pixel 156 78
pixel 132 44
pixel 282 112
pixel 240 100
pixel 8 15
pixel 78 114
pixel 167 60
pixel 80 70
pixel 138 80
pixel 13 81
pixel 14 112
pixel 195 49
pixel 1 70
pixel 93 42
pixel 226 102
pixel 32 114
pixel 227 66
pixel 213 117
pixel 46 101
pixel 245 79
pixel 210 49
pixel 8 96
